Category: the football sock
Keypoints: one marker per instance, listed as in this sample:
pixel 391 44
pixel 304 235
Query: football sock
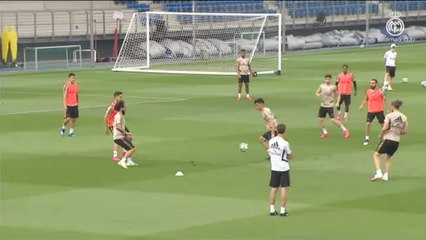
pixel 343 128
pixel 71 130
pixel 271 208
pixel 324 130
pixel 239 94
pixel 282 210
pixel 346 114
pixel 379 172
pixel 115 153
pixel 63 126
pixel 248 95
pixel 367 137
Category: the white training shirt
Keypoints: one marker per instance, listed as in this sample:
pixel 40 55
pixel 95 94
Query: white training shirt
pixel 390 58
pixel 278 151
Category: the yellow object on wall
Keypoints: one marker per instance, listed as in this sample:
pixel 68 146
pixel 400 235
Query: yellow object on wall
pixel 5 43
pixel 13 41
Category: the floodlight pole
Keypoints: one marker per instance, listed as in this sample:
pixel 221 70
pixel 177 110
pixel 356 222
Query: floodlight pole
pixel 92 47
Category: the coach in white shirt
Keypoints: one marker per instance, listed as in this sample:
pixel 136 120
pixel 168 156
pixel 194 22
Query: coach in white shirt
pixel 279 152
pixel 390 66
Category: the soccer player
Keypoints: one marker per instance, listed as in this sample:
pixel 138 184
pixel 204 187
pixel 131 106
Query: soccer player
pixel 270 122
pixel 396 124
pixel 327 93
pixel 280 153
pixel 376 99
pixel 390 67
pixel 121 137
pixel 70 104
pixel 243 69
pixel 344 83
pixel 109 120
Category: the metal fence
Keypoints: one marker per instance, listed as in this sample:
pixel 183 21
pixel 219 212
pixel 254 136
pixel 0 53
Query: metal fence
pixel 33 25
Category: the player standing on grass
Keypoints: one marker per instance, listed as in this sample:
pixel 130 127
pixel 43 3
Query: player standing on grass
pixel 390 67
pixel 344 83
pixel 121 137
pixel 327 92
pixel 376 99
pixel 70 100
pixel 279 152
pixel 243 69
pixel 109 120
pixel 396 124
pixel 270 122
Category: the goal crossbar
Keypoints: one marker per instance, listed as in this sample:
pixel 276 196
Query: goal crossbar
pixel 199 43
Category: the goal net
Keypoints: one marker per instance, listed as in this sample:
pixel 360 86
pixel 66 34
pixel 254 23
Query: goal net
pixel 200 43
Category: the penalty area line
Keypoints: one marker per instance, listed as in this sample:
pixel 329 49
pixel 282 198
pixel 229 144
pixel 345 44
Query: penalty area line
pixel 87 95
pixel 98 106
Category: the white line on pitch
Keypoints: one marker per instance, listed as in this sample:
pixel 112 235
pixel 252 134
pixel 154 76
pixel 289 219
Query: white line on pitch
pixel 99 106
pixel 87 95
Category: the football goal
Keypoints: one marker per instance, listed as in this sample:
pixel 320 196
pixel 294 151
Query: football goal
pixel 52 57
pixel 200 43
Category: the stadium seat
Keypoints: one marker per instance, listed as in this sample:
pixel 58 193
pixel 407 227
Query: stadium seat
pixel 141 7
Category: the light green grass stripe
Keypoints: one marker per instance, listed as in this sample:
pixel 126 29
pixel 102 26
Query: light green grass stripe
pixel 125 212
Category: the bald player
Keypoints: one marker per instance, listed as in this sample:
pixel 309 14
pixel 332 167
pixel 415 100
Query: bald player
pixel 376 99
pixel 327 93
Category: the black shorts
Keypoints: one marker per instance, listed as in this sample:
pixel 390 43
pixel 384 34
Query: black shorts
pixel 267 135
pixel 244 78
pixel 124 143
pixel 346 99
pixel 380 116
pixel 323 111
pixel 388 147
pixel 72 112
pixel 279 179
pixel 391 71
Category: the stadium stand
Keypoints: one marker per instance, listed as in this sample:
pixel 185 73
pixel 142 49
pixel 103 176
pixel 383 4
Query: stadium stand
pixel 38 19
pixel 407 5
pixel 254 6
pixel 140 7
pixel 301 9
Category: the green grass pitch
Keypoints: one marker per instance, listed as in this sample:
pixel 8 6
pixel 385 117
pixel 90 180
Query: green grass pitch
pixel 56 187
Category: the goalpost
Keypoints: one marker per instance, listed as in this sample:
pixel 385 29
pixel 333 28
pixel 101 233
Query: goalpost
pixel 52 56
pixel 200 43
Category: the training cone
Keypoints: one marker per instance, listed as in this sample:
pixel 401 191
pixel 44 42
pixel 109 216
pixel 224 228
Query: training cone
pixel 179 174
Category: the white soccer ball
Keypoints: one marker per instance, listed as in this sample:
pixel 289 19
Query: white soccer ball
pixel 243 147
pixel 405 80
pixel 423 83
